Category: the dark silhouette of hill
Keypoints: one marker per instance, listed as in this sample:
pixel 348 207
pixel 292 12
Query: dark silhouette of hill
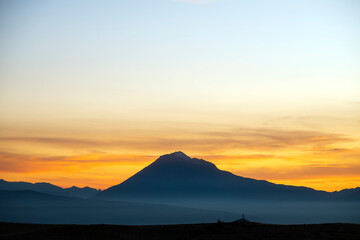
pixel 49 188
pixel 175 178
pixel 221 231
pixel 351 194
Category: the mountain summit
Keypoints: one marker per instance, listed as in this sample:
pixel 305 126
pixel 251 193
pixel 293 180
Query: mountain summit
pixel 175 155
pixel 176 177
pixel 178 164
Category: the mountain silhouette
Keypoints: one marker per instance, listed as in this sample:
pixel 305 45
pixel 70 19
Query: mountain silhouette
pixel 48 189
pixel 178 189
pixel 176 178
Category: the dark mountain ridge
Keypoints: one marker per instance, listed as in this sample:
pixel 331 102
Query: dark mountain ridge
pixel 49 189
pixel 25 206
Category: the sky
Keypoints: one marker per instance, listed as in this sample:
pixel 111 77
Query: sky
pixel 93 91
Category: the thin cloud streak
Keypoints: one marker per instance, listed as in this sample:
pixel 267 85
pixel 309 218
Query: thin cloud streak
pixel 52 141
pixel 242 138
pixel 10 162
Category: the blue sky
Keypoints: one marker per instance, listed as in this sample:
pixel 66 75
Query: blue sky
pixel 241 44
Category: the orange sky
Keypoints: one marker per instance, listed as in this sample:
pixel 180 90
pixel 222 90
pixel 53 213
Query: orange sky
pixel 316 158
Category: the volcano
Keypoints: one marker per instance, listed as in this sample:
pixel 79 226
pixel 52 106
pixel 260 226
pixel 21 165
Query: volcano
pixel 176 177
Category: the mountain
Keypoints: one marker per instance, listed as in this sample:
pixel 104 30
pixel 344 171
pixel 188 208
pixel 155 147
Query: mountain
pixel 49 189
pixel 179 189
pixel 352 194
pixel 176 178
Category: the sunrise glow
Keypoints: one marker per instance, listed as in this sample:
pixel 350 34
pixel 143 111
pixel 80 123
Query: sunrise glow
pixel 91 93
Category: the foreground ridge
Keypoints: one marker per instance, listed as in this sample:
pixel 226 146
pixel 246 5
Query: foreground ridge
pixel 226 231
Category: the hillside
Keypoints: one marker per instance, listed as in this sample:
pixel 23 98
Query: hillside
pixel 221 231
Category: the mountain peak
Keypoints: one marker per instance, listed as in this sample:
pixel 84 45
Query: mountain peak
pixel 174 156
pixel 180 158
pixel 175 178
pixel 178 162
pixel 178 154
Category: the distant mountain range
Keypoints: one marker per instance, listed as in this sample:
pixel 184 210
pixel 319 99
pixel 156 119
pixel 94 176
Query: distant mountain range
pixel 48 188
pixel 177 189
pixel 176 178
pixel 26 206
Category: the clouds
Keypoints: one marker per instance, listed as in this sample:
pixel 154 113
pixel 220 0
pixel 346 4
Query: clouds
pixel 58 141
pixel 255 139
pixel 11 162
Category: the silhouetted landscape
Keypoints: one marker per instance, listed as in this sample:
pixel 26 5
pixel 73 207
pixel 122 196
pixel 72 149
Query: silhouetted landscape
pixel 180 119
pixel 221 231
pixel 178 197
pixel 177 189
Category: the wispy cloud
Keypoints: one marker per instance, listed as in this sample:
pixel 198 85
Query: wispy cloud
pixel 255 139
pixel 59 141
pixel 10 162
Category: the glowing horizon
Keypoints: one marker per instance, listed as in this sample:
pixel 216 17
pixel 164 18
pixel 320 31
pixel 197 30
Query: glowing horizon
pixel 90 92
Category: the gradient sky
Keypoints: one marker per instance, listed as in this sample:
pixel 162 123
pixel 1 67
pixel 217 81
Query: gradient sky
pixel 93 91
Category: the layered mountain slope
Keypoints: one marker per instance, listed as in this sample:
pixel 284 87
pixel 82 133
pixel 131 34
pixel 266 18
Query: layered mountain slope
pixel 26 206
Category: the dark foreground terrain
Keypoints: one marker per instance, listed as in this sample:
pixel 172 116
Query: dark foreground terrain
pixel 221 231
